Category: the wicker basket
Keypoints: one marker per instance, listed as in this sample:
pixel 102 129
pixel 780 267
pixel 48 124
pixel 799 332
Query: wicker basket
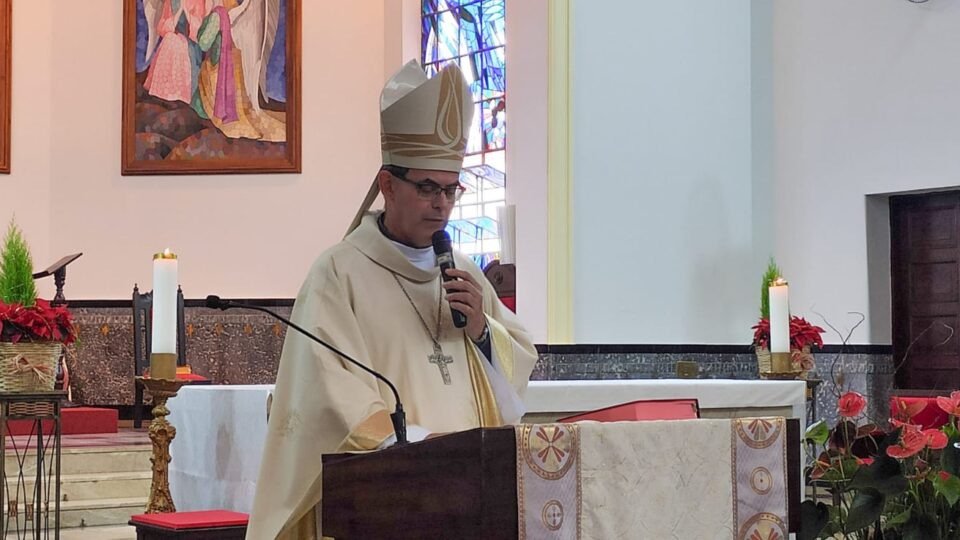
pixel 29 367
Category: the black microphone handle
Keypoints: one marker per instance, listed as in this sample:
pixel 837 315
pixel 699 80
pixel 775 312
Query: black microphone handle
pixel 459 319
pixel 397 417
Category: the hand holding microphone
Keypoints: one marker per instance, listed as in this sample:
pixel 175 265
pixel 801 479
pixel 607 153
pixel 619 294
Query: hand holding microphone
pixel 464 294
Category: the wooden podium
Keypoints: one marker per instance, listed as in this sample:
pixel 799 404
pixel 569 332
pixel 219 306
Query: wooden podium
pixel 462 485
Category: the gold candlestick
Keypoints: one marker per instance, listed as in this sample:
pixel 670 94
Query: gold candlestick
pixel 161 433
pixel 163 366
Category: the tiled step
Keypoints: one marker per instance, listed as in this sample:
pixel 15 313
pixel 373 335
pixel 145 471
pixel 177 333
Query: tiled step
pixel 91 513
pixel 79 487
pixel 100 511
pixel 89 460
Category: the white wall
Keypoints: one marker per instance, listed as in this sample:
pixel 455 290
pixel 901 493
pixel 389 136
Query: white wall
pixel 26 191
pixel 237 235
pixel 527 155
pixel 663 171
pixel 865 103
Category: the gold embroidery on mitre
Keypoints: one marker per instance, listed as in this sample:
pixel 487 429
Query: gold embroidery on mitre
pixel 447 140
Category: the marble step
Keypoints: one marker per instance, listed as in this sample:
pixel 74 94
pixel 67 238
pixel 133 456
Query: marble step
pixel 78 487
pixel 87 460
pixel 98 512
pixel 90 513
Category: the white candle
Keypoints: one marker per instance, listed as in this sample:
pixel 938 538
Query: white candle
pixel 507 219
pixel 164 333
pixel 779 317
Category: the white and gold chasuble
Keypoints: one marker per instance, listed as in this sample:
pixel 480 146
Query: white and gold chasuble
pixel 324 405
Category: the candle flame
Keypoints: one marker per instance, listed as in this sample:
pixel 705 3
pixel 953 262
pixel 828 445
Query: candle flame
pixel 779 282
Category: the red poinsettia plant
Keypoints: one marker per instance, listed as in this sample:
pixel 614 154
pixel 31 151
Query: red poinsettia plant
pixel 802 334
pixel 903 482
pixel 23 316
pixel 40 322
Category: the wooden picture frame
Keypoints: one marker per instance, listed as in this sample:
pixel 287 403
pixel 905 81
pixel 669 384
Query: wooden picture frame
pixel 6 44
pixel 249 125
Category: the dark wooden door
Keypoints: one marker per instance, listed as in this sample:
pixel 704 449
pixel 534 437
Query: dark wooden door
pixel 925 266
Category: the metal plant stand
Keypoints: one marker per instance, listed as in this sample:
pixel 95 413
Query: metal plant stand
pixel 30 466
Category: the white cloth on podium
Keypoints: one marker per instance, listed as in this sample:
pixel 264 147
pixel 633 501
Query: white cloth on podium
pixel 722 479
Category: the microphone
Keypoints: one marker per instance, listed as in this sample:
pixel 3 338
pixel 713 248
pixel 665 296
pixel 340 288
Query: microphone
pixel 444 252
pixel 398 417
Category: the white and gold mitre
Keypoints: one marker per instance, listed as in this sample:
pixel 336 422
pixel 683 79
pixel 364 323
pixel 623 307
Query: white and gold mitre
pixel 424 122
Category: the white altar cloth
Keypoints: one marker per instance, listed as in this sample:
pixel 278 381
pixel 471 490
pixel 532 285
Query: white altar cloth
pixel 216 454
pixel 221 429
pixel 549 400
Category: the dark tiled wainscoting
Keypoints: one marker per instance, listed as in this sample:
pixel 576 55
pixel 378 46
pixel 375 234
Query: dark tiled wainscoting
pixel 238 347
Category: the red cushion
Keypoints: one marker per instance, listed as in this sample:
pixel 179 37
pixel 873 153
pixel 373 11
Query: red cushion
pixel 510 302
pixel 929 417
pixel 667 409
pixel 191 377
pixel 194 520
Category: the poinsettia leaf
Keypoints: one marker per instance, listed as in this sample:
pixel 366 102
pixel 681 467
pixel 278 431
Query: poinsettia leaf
pixel 818 432
pixel 948 486
pixel 950 456
pixel 885 475
pixel 813 518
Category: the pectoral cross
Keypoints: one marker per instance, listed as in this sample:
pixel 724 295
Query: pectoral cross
pixel 441 360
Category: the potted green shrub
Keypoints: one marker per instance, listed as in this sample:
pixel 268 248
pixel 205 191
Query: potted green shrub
pixel 32 332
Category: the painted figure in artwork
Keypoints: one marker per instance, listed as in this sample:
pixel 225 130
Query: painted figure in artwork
pixel 222 94
pixel 213 76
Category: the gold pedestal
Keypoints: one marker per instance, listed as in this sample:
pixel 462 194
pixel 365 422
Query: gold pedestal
pixel 161 433
pixel 776 365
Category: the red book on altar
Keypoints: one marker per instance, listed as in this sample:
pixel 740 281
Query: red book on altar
pixel 652 409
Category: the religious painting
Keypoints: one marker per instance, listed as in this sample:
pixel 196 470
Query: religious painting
pixel 5 43
pixel 211 86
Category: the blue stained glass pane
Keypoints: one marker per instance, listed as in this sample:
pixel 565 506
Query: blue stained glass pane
pixel 482 175
pixel 494 124
pixel 494 28
pixel 461 231
pixel 471 73
pixel 475 142
pixel 483 260
pixel 472 33
pixel 470 28
pixel 448 33
pixel 428 40
pixel 493 73
pixel 473 229
pixel 486 228
pixel 429 6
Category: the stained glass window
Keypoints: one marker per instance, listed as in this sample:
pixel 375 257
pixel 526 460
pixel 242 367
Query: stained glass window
pixel 472 34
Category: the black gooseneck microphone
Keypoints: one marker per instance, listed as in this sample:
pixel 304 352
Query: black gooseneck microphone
pixel 444 252
pixel 398 417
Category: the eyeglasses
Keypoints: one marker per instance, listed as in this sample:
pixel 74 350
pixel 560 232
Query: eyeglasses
pixel 429 190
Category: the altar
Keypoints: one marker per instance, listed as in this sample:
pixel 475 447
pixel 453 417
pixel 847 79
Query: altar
pixel 221 429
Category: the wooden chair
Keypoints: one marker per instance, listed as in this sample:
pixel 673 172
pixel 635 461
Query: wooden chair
pixel 142 329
